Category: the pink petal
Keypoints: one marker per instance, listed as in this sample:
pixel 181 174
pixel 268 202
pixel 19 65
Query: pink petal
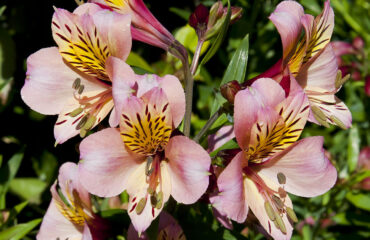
pixel 176 97
pixel 226 222
pixel 123 80
pixel 68 177
pixel 337 109
pixel 320 71
pixel 105 164
pixel 231 201
pixel 137 188
pixel 308 172
pixel 189 167
pixel 55 225
pixel 116 29
pixel 87 233
pixel 263 92
pixel 48 85
pixel 87 8
pixel 168 227
pixel 65 126
pixel 286 18
pixel 256 203
pixel 222 136
pixel 342 48
pixel 146 83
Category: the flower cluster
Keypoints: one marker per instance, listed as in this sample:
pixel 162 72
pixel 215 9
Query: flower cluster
pixel 143 151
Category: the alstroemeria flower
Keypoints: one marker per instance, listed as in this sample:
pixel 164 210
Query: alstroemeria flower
pixel 73 80
pixel 168 229
pixel 311 60
pixel 70 215
pixel 145 27
pixel 271 161
pixel 143 158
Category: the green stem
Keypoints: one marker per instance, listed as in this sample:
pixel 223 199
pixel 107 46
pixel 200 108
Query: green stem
pixel 189 82
pixel 195 62
pixel 209 124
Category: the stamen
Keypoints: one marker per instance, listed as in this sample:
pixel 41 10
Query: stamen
pixel 159 200
pixel 278 203
pixel 76 84
pixel 281 178
pixel 76 112
pixel 82 122
pixel 270 211
pixel 338 122
pixel 81 89
pixel 140 206
pixel 291 214
pixel 89 123
pixel 282 192
pixel 279 221
pixel 148 170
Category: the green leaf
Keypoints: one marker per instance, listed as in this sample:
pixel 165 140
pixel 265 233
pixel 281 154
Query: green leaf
pixel 7 173
pixel 306 232
pixel 16 210
pixel 185 14
pixel 238 64
pixel 19 231
pixel 220 37
pixel 29 189
pixel 353 148
pixel 1 160
pixel 136 60
pixel 187 36
pixel 359 200
pixel 228 145
pixel 46 166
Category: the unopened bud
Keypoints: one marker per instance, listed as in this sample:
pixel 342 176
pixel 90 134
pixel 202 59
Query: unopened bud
pixel 75 112
pixel 281 178
pixel 236 14
pixel 358 43
pixel 76 84
pixel 215 13
pixel 199 19
pixel 269 211
pixel 229 90
pixel 367 86
pixel 338 122
pixel 140 206
pixel 291 214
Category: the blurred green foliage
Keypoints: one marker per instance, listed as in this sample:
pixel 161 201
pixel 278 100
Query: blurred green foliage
pixel 29 162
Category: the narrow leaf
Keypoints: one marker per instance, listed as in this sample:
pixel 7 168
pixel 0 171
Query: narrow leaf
pixel 19 231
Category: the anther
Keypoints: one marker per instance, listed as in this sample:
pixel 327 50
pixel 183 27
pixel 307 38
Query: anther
pixel 148 170
pixel 278 203
pixel 140 206
pixel 338 122
pixel 319 116
pixel 282 192
pixel 76 84
pixel 280 223
pixel 89 123
pixel 82 122
pixel 269 211
pixel 81 89
pixel 153 200
pixel 281 178
pixel 159 197
pixel 75 112
pixel 291 214
pixel 83 133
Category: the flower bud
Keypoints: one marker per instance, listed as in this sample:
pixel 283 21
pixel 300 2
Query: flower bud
pixel 215 13
pixel 236 14
pixel 367 86
pixel 199 18
pixel 358 43
pixel 230 89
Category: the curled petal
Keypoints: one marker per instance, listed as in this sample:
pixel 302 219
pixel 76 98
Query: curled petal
pixel 308 172
pixel 231 200
pixel 287 19
pixel 105 164
pixel 189 167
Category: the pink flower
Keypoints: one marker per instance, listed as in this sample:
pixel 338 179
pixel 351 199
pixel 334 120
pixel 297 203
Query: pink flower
pixel 69 215
pixel 145 27
pixel 168 229
pixel 271 161
pixel 73 80
pixel 143 157
pixel 311 60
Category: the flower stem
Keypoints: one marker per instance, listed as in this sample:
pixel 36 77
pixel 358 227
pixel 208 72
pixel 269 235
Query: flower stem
pixel 189 82
pixel 209 124
pixel 194 64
